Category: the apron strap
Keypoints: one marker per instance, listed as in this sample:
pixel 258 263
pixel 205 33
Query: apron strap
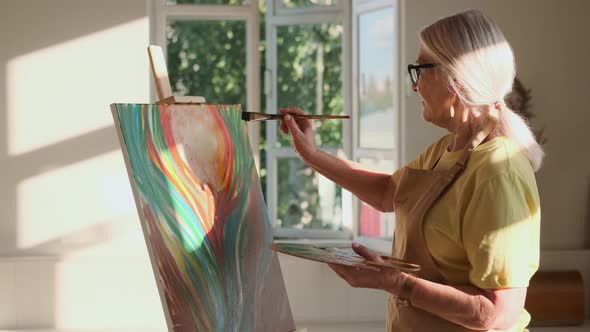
pixel 475 141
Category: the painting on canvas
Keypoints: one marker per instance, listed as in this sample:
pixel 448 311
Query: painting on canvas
pixel 203 216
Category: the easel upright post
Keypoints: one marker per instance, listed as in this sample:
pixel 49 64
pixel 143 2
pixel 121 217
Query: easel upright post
pixel 162 81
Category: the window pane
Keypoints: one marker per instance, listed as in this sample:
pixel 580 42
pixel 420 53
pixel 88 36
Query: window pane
pixel 306 200
pixel 372 222
pixel 208 58
pixel 309 75
pixel 308 3
pixel 376 85
pixel 206 2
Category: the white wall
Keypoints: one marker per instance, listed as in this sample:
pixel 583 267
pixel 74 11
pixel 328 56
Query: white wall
pixel 63 62
pixel 64 191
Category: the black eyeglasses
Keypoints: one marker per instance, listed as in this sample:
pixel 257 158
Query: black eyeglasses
pixel 414 71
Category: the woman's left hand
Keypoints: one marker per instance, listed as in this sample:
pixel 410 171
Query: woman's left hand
pixel 388 279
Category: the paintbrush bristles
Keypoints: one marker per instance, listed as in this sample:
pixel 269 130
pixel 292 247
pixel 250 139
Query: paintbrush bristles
pixel 256 116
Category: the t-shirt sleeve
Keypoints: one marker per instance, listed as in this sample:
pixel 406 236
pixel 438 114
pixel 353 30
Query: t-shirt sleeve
pixel 501 231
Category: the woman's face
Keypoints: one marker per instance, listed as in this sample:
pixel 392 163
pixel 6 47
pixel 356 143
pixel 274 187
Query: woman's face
pixel 433 88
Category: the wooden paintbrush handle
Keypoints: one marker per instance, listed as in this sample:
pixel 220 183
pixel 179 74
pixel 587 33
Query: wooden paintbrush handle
pixel 320 117
pixel 256 116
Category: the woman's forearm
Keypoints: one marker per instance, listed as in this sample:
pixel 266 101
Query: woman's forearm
pixel 375 189
pixel 466 305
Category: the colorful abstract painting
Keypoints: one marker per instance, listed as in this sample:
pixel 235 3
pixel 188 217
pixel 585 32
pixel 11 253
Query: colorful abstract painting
pixel 203 216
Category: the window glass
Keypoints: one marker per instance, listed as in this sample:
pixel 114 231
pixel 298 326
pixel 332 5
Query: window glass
pixel 372 222
pixel 306 199
pixel 376 79
pixel 208 58
pixel 309 75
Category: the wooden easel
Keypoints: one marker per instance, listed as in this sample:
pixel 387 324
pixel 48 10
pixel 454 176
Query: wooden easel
pixel 162 81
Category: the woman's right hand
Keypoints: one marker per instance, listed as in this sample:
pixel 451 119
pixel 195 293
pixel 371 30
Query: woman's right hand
pixel 301 132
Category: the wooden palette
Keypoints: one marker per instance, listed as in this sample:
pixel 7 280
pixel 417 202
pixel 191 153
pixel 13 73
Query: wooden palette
pixel 342 256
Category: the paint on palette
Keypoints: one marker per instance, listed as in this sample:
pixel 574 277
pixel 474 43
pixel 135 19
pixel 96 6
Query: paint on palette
pixel 341 256
pixel 204 217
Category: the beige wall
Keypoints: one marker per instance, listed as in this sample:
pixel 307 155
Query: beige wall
pixel 550 41
pixel 64 190
pixel 61 64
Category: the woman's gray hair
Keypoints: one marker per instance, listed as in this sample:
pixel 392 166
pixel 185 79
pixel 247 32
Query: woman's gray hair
pixel 479 63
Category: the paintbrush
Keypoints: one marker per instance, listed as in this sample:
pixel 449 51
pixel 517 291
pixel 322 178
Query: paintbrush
pixel 256 116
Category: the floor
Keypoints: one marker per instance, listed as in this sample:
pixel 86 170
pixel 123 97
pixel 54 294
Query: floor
pixel 365 327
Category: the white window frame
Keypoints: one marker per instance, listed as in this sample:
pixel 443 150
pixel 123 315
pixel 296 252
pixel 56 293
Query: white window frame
pixel 277 16
pixel 160 13
pixel 281 10
pixel 359 8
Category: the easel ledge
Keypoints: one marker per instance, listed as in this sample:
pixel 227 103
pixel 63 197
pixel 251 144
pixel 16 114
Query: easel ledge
pixel 162 81
pixel 182 100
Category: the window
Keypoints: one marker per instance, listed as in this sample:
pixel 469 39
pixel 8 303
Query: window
pixel 376 107
pixel 305 63
pixel 206 2
pixel 214 49
pixel 306 3
pixel 221 73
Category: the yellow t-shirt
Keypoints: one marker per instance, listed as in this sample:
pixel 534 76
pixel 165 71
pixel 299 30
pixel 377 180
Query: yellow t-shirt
pixel 485 229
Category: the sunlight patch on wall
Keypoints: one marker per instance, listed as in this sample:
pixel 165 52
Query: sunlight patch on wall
pixel 64 91
pixel 76 205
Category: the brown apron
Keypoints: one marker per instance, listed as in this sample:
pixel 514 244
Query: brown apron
pixel 415 194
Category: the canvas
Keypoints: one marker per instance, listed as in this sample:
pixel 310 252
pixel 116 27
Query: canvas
pixel 203 216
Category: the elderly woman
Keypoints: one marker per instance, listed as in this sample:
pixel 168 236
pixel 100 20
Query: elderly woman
pixel 467 209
